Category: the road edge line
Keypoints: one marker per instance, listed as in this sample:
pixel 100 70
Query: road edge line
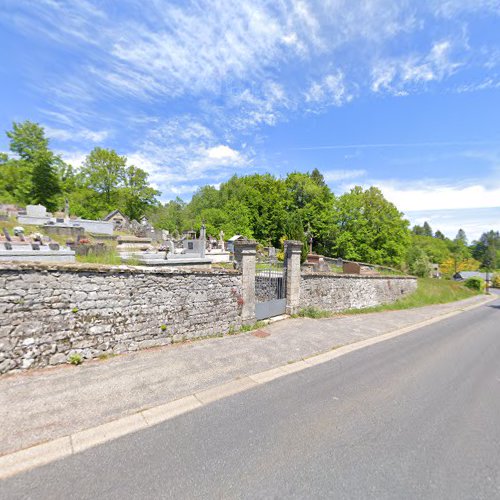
pixel 42 454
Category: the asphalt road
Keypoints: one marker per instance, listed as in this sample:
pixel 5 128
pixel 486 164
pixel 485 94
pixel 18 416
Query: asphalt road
pixel 417 416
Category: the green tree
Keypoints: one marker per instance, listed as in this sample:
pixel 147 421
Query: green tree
pixel 36 165
pixel 170 216
pixel 461 236
pixel 436 249
pixel 487 249
pixel 310 197
pixel 136 195
pixel 439 235
pixel 103 171
pixel 427 230
pixel 15 180
pixel 369 228
pixel 418 262
pixel 295 231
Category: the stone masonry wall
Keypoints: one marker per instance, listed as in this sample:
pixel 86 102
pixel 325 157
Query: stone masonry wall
pixel 49 312
pixel 331 292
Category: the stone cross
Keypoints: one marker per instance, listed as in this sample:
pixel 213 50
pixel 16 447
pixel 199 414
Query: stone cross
pixel 203 239
pixel 66 209
pixel 221 240
pixel 171 247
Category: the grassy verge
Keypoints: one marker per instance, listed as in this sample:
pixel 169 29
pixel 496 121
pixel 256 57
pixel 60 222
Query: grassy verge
pixel 430 291
pixel 109 257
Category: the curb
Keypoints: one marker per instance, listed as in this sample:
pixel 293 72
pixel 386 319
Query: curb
pixel 50 451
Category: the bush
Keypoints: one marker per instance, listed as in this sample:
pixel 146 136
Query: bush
pixel 474 283
pixel 496 281
pixel 75 359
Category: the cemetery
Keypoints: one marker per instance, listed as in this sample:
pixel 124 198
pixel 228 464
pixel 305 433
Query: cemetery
pixel 61 238
pixel 71 286
pixel 52 311
pixel 32 248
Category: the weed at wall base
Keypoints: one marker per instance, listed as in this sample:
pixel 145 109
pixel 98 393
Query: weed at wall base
pixel 75 359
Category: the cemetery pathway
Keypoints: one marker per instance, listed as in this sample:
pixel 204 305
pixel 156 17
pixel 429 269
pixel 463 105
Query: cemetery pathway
pixel 41 405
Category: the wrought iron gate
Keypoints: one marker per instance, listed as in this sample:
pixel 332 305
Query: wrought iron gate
pixel 270 288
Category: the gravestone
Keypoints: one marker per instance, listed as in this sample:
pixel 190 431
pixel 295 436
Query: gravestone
pixel 36 211
pixel 6 234
pixel 35 246
pixel 54 246
pixel 7 245
pixel 351 268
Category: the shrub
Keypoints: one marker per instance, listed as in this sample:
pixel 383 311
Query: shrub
pixel 496 281
pixel 474 283
pixel 75 359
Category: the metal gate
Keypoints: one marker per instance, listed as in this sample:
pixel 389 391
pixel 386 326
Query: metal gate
pixel 270 288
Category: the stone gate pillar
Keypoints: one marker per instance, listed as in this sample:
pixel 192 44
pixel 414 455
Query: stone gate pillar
pixel 244 255
pixel 292 261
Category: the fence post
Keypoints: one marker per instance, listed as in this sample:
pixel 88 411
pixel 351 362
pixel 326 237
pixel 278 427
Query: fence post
pixel 244 255
pixel 292 261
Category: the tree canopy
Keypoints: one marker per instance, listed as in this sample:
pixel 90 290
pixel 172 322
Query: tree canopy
pixel 35 174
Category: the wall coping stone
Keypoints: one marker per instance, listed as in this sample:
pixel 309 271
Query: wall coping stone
pixel 356 276
pixel 79 267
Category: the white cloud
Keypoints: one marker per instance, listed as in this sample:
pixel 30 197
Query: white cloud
pixel 234 66
pixel 76 135
pixel 486 84
pixel 436 195
pixel 330 90
pixel 74 158
pixel 255 106
pixel 341 175
pixel 451 8
pixel 398 75
pixel 223 153
pixel 182 150
pixel 183 189
pixel 474 221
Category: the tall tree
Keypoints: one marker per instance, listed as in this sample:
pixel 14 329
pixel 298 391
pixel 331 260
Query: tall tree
pixel 136 195
pixel 369 228
pixel 487 249
pixel 461 236
pixel 295 231
pixel 35 161
pixel 427 230
pixel 103 171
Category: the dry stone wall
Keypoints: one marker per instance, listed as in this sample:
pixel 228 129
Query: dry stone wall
pixel 48 313
pixel 338 292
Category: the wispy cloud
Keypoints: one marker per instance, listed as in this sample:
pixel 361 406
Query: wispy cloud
pixel 342 175
pixel 399 75
pixel 329 91
pixel 383 145
pixel 184 82
pixel 78 135
pixel 182 150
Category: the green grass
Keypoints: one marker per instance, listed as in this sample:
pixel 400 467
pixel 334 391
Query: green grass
pixel 335 269
pixel 254 326
pixel 312 312
pixel 110 257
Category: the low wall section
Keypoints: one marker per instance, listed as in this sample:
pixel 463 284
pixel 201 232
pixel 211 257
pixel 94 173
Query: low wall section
pixel 48 313
pixel 338 292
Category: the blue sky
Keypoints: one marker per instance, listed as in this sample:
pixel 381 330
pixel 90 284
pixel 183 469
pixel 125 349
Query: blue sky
pixel 404 95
